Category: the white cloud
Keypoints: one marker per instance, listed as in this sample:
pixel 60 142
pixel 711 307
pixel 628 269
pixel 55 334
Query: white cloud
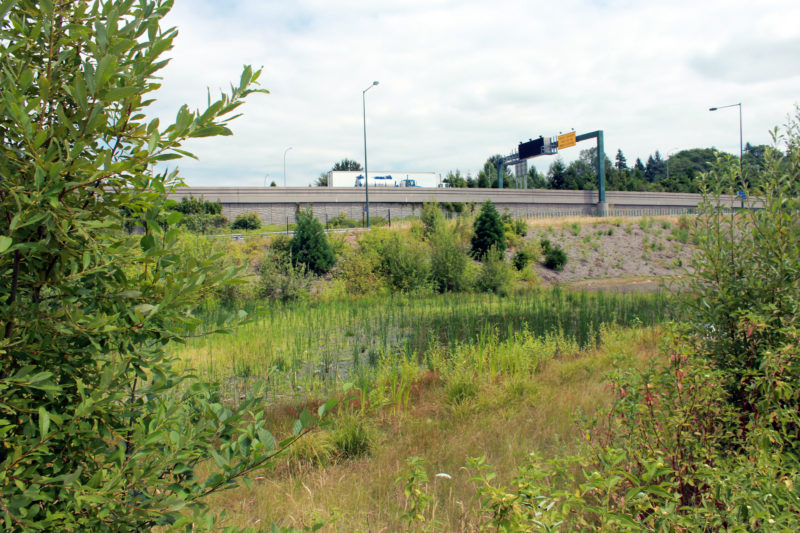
pixel 462 80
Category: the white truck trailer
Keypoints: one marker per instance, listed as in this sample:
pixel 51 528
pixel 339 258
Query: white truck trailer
pixel 355 178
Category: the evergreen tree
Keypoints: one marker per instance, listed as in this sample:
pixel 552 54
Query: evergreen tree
pixel 536 180
pixel 621 162
pixel 639 165
pixel 488 231
pixel 310 246
pixel 558 174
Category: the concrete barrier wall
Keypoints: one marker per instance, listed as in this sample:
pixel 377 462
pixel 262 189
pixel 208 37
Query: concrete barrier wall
pixel 274 205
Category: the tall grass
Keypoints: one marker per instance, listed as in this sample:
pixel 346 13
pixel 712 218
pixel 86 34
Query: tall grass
pixel 313 347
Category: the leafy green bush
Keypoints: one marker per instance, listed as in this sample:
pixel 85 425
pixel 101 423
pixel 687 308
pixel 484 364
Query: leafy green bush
pixel 193 206
pixel 431 217
pixel 496 275
pixel 342 221
pixel 708 439
pixel 359 270
pixel 405 264
pixel 488 231
pixel 309 246
pixel 199 223
pixel 100 430
pixel 448 261
pixel 280 280
pixel 246 221
pixel 521 259
pixel 554 256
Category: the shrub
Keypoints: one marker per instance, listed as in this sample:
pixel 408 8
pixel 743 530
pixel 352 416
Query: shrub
pixel 706 440
pixel 193 206
pixel 448 261
pixel 431 217
pixel 496 275
pixel 359 272
pixel 100 429
pixel 555 258
pixel 246 221
pixel 341 221
pixel 309 246
pixel 521 258
pixel 203 223
pixel 280 280
pixel 405 264
pixel 488 231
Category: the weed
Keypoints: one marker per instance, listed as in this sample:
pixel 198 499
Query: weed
pixel 353 436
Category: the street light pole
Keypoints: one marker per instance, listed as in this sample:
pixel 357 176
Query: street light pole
pixel 366 175
pixel 284 165
pixel 741 148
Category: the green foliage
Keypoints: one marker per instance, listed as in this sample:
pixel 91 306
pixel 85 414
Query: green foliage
pixel 405 264
pixel 496 275
pixel 100 432
pixel 341 221
pixel 193 206
pixel 414 484
pixel 199 216
pixel 707 439
pixel 310 246
pixel 747 274
pixel 522 258
pixel 347 164
pixel 488 231
pixel 280 280
pixel 353 436
pixel 199 223
pixel 555 258
pixel 359 270
pixel 431 217
pixel 246 221
pixel 449 260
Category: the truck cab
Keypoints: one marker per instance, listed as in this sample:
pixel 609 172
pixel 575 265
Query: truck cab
pixel 408 182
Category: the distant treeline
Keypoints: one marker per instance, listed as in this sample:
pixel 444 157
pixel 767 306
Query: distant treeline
pixel 677 173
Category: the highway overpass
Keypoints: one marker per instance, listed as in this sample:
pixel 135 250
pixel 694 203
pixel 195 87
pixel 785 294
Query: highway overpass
pixel 276 205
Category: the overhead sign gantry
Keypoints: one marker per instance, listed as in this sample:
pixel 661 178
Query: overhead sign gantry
pixel 551 146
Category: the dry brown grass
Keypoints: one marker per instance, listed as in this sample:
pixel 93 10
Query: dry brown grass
pixel 536 222
pixel 508 418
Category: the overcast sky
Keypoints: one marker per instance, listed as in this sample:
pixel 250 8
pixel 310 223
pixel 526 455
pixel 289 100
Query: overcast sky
pixel 461 80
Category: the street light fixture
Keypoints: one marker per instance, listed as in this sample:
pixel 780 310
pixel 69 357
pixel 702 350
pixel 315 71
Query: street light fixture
pixel 284 165
pixel 741 150
pixel 366 175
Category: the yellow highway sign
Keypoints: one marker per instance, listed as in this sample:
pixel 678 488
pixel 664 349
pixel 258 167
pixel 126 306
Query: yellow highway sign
pixel 566 140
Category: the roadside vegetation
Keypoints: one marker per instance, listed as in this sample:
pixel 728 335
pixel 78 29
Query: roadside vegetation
pixel 427 377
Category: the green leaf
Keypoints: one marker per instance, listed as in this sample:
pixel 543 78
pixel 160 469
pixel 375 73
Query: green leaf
pixel 266 438
pixel 5 243
pixel 143 309
pixel 106 68
pixel 152 143
pixel 174 218
pixel 44 422
pixel 147 242
pixel 327 406
pixel 305 418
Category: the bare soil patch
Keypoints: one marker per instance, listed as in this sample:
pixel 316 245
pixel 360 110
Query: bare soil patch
pixel 618 254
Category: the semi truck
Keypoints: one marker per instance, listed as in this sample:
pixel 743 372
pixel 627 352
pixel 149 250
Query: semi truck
pixel 355 178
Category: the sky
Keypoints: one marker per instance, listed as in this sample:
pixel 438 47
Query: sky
pixel 461 80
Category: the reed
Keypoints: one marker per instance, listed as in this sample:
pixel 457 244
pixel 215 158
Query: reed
pixel 313 348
